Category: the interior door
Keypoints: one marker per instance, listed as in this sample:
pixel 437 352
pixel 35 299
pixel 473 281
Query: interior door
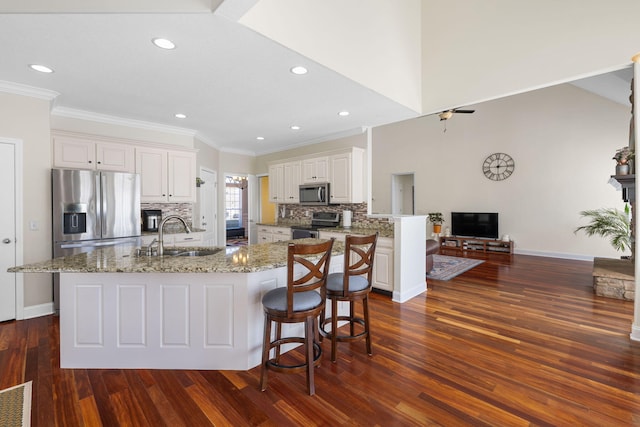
pixel 7 233
pixel 208 206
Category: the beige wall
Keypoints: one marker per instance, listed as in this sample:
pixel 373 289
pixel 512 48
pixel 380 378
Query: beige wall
pixel 185 139
pixel 562 140
pixel 262 162
pixel 27 119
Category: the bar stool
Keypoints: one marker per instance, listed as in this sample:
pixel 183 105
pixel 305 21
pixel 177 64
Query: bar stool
pixel 301 301
pixel 353 284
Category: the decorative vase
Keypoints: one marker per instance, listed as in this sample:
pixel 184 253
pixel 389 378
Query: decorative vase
pixel 622 169
pixel 437 228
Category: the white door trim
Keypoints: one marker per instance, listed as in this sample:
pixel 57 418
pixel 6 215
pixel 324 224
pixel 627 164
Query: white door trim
pixel 18 156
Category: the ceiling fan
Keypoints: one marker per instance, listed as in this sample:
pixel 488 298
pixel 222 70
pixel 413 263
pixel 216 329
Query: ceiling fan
pixel 447 114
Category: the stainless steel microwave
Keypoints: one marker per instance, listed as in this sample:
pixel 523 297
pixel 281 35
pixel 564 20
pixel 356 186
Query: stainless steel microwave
pixel 314 194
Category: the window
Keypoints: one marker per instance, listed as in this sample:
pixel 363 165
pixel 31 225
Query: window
pixel 233 198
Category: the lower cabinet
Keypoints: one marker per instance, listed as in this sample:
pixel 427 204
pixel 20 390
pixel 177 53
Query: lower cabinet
pixel 176 239
pixel 268 233
pixel 382 263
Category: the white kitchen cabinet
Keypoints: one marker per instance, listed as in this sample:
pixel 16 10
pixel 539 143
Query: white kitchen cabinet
pixel 182 176
pixel 175 239
pixel 284 182
pixel 383 259
pixel 292 182
pixel 81 153
pixel 315 169
pixel 346 177
pixel 185 239
pixel 269 233
pixel 383 264
pixel 166 175
pixel 276 182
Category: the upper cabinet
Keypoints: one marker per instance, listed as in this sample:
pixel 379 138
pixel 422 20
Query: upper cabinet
pixel 315 170
pixel 284 182
pixel 342 169
pixel 346 177
pixel 166 175
pixel 80 153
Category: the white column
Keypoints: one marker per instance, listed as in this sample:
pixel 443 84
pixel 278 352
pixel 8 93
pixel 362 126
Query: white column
pixel 635 327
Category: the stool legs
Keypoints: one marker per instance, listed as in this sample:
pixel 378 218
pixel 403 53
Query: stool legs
pixel 266 348
pixel 311 342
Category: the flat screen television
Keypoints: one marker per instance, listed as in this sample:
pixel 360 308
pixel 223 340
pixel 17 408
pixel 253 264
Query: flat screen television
pixel 475 224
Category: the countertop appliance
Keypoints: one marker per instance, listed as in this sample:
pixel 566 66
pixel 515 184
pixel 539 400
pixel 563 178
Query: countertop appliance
pixel 314 194
pixel 151 219
pixel 318 220
pixel 93 209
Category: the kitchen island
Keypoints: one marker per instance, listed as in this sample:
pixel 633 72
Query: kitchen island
pixel 122 310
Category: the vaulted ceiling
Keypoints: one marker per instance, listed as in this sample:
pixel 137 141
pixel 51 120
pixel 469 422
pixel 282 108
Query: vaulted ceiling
pixel 232 82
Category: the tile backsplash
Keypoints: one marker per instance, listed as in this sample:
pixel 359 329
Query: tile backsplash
pixel 302 214
pixel 185 210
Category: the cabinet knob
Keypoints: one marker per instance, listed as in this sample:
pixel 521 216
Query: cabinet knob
pixel 90 161
pixel 98 163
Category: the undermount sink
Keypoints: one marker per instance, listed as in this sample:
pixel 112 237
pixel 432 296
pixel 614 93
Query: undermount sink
pixel 182 252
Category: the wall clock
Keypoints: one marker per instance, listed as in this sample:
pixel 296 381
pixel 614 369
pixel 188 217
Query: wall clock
pixel 498 166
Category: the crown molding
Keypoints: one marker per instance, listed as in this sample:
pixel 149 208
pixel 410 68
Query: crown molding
pixel 114 120
pixel 31 91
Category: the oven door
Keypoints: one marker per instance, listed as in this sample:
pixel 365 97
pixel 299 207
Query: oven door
pixel 298 233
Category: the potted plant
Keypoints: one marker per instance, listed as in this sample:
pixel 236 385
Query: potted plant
pixel 622 157
pixel 611 223
pixel 436 219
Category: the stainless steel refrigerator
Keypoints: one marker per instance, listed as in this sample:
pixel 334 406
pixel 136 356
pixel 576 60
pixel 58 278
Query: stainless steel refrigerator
pixel 93 209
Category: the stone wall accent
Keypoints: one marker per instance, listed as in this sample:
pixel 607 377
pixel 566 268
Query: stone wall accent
pixel 614 278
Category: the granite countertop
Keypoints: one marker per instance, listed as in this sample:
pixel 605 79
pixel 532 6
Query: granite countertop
pixel 384 231
pixel 124 259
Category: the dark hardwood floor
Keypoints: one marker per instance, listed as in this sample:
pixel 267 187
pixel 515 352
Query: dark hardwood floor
pixel 516 341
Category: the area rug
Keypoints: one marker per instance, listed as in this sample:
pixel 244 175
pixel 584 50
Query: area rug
pixel 448 267
pixel 15 406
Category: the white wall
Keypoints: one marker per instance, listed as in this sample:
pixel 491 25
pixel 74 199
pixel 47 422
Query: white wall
pixel 358 38
pixel 27 119
pixel 473 50
pixel 562 140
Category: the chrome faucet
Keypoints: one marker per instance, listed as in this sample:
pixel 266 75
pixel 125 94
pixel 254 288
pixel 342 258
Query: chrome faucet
pixel 161 231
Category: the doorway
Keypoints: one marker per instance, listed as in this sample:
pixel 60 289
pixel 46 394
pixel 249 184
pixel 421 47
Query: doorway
pixel 11 290
pixel 236 209
pixel 208 196
pixel 402 194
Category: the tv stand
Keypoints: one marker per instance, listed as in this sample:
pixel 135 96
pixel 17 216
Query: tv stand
pixel 459 243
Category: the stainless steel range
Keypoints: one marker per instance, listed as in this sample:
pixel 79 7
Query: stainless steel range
pixel 319 220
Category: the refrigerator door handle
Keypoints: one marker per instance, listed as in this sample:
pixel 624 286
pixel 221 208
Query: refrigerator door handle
pixel 101 182
pixel 91 245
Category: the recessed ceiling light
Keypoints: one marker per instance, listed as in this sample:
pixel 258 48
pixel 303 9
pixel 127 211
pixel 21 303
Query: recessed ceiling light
pixel 294 127
pixel 164 43
pixel 181 116
pixel 343 113
pixel 260 138
pixel 299 70
pixel 40 68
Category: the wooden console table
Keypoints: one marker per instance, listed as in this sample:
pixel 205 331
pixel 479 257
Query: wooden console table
pixel 476 244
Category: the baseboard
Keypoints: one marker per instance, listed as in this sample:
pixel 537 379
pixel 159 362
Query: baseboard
pixel 576 257
pixel 38 310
